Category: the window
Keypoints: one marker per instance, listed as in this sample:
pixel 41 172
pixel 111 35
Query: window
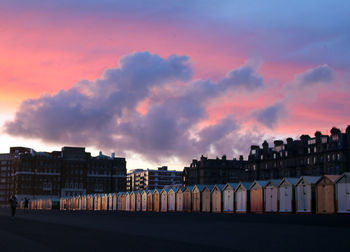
pixel 308 150
pixel 315 149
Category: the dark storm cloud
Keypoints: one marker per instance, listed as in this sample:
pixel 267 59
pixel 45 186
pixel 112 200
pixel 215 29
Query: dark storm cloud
pixel 103 113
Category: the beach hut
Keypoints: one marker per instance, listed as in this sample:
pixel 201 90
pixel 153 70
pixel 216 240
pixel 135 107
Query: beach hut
pixel 271 196
pixel 104 203
pixel 286 195
pixel 342 193
pixel 196 198
pixel 99 201
pixel 115 201
pixel 144 201
pixel 164 200
pixel 229 197
pixel 179 199
pixel 119 200
pixel 257 196
pixel 242 197
pixel 132 201
pixel 305 194
pixel 150 200
pixel 84 202
pixel 124 207
pixel 325 194
pixel 206 198
pixel 216 198
pixel 156 200
pixel 127 201
pixel 138 201
pixel 187 196
pixel 171 200
pixel 110 201
pixel 95 202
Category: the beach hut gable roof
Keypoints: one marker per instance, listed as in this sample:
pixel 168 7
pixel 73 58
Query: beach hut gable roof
pixel 189 188
pixel 290 181
pixel 232 185
pixel 343 176
pixel 309 180
pixel 332 178
pixel 156 191
pixel 245 185
pixel 198 188
pixel 273 182
pixel 180 189
pixel 165 190
pixel 258 183
pixel 218 187
pixel 144 192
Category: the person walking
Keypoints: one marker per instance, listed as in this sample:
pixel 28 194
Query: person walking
pixel 13 205
pixel 26 204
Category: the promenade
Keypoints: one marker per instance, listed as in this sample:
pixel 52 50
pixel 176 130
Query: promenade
pixel 130 231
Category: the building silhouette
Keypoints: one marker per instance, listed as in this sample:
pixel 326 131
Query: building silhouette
pixel 318 155
pixel 313 156
pixel 214 171
pixel 68 172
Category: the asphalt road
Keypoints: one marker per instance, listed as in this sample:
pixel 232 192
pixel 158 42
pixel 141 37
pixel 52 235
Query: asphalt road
pixel 126 231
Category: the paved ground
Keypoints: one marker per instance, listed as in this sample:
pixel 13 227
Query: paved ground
pixel 122 231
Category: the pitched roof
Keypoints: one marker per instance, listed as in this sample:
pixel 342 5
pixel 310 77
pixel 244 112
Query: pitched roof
pixel 210 187
pixel 332 178
pixel 220 186
pixel 345 174
pixel 292 181
pixel 200 187
pixel 246 185
pixel 309 179
pixel 274 182
pixel 233 185
pixel 262 183
pixel 190 188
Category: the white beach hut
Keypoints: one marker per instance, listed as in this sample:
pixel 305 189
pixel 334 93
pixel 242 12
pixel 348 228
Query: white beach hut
pixel 138 201
pixel 242 197
pixel 171 200
pixel 286 195
pixel 229 197
pixel 144 201
pixel 305 194
pixel 164 200
pixel 179 199
pixel 271 196
pixel 342 193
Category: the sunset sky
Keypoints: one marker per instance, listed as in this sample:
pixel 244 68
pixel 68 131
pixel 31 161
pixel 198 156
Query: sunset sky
pixel 163 81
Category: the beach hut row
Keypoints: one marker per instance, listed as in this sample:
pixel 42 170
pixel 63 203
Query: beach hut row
pixel 308 194
pixel 40 204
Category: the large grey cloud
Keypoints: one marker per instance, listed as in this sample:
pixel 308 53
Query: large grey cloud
pixel 103 113
pixel 270 115
pixel 320 74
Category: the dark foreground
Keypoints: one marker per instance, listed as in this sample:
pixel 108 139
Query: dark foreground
pixel 121 231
